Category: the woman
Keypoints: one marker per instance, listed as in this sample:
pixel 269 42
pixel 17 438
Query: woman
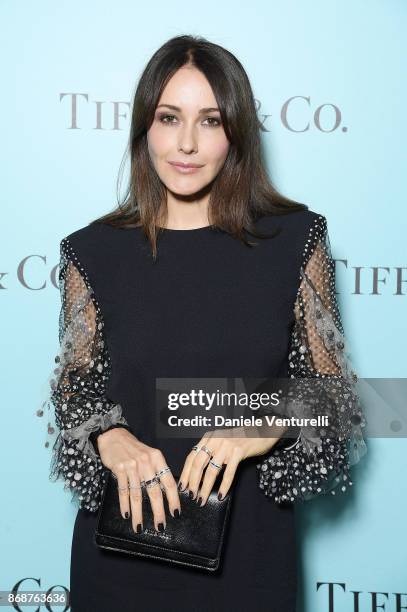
pixel 171 284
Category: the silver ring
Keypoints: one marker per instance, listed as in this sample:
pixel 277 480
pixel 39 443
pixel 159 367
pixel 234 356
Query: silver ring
pixel 152 482
pixel 123 488
pixel 196 448
pixel 216 465
pixel 136 486
pixel 163 471
pixel 142 483
pixel 206 450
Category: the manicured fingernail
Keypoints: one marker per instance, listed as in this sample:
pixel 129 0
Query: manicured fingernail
pixel 160 526
pixel 126 514
pixel 191 494
pixel 176 513
pixel 220 496
pixel 139 528
pixel 199 501
pixel 180 486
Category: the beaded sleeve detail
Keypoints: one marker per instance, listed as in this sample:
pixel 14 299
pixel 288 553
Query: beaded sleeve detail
pixel 321 382
pixel 76 404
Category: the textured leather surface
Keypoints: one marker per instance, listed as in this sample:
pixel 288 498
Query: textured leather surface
pixel 195 538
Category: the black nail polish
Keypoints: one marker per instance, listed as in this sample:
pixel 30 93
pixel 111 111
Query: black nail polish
pixel 139 528
pixel 176 513
pixel 180 486
pixel 160 526
pixel 199 501
pixel 220 496
pixel 126 514
pixel 191 494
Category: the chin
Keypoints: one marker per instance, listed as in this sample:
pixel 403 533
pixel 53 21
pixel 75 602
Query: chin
pixel 185 191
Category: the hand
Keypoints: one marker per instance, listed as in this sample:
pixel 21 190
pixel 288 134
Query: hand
pixel 131 461
pixel 230 451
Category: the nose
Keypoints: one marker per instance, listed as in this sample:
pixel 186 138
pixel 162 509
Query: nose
pixel 187 141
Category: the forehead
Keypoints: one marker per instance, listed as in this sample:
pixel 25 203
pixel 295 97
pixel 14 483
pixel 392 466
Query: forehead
pixel 188 89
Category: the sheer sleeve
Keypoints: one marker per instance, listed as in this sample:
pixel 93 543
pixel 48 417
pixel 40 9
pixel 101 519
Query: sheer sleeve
pixel 77 406
pixel 322 382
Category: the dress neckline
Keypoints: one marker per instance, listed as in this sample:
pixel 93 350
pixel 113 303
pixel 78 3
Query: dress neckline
pixel 183 231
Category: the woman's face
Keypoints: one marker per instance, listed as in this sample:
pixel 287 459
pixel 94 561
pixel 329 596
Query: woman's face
pixel 187 129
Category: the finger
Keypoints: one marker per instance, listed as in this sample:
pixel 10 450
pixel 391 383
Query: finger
pixel 136 501
pixel 200 462
pixel 156 500
pixel 211 474
pixel 169 485
pixel 229 474
pixel 185 474
pixel 167 482
pixel 123 491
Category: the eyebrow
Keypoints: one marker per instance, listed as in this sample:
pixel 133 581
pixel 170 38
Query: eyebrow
pixel 208 109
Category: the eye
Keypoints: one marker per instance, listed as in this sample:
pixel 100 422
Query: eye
pixel 170 119
pixel 163 118
pixel 216 121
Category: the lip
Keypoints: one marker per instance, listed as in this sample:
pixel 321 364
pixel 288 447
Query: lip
pixel 186 168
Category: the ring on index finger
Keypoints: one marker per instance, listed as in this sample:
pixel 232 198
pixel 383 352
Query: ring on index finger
pixel 215 465
pixel 163 471
pixel 160 473
pixel 152 482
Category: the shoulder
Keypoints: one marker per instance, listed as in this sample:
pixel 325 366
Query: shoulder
pixel 297 225
pixel 89 248
pixel 89 242
pixel 298 233
pixel 89 236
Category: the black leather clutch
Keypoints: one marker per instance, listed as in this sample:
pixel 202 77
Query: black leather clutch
pixel 194 539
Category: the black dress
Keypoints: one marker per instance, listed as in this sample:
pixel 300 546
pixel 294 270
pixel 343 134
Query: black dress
pixel 209 307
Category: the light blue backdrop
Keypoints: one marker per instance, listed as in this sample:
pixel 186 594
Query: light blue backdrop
pixel 55 179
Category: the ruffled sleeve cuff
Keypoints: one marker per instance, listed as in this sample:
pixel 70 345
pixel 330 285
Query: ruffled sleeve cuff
pixel 319 460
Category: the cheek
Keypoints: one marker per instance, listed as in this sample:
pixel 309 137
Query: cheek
pixel 219 150
pixel 216 145
pixel 158 142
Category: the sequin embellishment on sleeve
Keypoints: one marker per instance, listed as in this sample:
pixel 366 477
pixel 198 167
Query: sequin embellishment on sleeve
pixel 323 383
pixel 77 405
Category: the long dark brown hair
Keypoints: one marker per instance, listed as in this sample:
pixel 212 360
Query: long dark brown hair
pixel 242 191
